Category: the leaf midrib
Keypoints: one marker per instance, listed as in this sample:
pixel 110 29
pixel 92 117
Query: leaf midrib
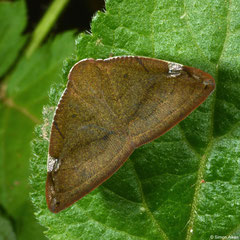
pixel 162 233
pixel 210 144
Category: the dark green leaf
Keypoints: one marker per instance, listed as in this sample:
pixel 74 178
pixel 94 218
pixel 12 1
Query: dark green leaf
pixel 12 24
pixel 24 95
pixel 6 229
pixel 184 185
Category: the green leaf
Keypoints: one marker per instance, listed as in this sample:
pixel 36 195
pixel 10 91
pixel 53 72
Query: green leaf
pixel 13 21
pixel 24 94
pixel 6 229
pixel 184 185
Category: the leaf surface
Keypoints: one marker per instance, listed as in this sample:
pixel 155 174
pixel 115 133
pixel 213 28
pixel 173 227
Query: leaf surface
pixel 184 185
pixel 6 230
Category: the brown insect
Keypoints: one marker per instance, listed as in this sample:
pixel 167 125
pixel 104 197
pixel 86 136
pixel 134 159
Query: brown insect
pixel 109 108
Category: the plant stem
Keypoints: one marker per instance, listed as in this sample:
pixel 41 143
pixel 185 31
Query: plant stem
pixel 45 25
